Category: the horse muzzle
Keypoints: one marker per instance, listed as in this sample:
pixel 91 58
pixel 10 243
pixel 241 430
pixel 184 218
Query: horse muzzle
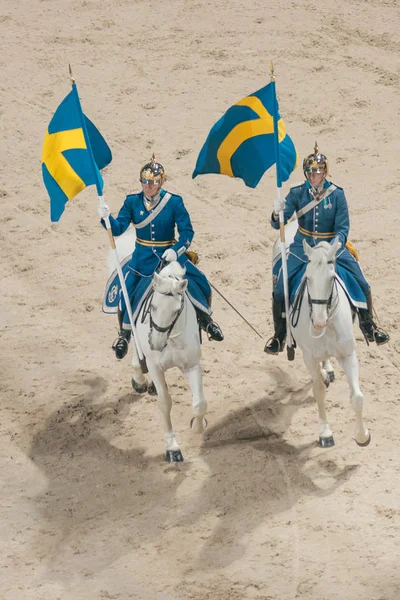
pixel 320 326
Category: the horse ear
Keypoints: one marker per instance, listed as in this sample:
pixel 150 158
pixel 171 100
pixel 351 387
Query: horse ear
pixel 181 286
pixel 337 244
pixel 334 247
pixel 157 280
pixel 307 248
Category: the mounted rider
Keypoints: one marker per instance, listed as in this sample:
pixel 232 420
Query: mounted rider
pixel 322 213
pixel 155 213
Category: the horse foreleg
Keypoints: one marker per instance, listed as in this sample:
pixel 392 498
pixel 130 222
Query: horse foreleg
pixel 139 381
pixel 350 367
pixel 164 403
pixel 319 391
pixel 199 404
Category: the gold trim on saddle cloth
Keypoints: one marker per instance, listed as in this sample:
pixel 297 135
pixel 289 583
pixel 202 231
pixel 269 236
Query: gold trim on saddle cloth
pixel 316 234
pixel 154 243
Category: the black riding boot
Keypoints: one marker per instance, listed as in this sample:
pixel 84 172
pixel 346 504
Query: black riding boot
pixel 211 328
pixel 371 331
pixel 276 344
pixel 121 344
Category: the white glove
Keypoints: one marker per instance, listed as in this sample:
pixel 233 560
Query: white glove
pixel 104 211
pixel 279 204
pixel 169 255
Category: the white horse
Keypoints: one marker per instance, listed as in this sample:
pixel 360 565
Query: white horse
pixel 169 336
pixel 290 232
pixel 322 325
pixel 166 341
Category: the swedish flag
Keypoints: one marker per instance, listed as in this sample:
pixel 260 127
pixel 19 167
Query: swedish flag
pixel 242 143
pixel 73 153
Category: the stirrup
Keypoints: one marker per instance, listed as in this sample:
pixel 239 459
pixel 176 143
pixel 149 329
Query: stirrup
pixel 281 345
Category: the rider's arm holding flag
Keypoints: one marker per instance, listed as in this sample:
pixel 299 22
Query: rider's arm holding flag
pixel 288 206
pixel 121 223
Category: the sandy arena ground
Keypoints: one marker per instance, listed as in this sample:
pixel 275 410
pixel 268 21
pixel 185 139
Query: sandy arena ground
pixel 89 509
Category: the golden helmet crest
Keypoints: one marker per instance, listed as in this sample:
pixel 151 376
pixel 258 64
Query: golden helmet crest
pixel 316 162
pixel 152 172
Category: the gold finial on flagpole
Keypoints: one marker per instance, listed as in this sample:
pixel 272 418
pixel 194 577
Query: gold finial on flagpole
pixel 70 74
pixel 272 71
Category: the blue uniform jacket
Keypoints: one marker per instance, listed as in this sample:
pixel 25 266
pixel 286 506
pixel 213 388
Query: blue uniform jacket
pixel 151 242
pixel 153 239
pixel 327 220
pixel 324 222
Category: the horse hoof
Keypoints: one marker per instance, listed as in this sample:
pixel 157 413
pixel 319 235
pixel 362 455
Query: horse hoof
pixel 366 443
pixel 174 456
pixel 331 375
pixel 327 381
pixel 326 442
pixel 203 425
pixel 151 389
pixel 139 388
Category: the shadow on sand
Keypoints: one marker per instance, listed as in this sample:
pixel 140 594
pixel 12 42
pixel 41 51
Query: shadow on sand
pixel 103 489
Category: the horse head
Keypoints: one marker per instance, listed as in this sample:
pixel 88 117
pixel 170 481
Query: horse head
pixel 320 280
pixel 166 304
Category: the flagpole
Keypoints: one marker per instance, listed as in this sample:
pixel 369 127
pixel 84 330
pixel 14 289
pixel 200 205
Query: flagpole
pixel 141 357
pixel 290 346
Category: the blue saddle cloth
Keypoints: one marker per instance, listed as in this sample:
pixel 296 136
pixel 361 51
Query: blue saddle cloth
pixel 113 288
pixel 138 286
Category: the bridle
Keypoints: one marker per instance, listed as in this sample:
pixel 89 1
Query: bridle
pixel 153 325
pixel 327 302
pixel 311 301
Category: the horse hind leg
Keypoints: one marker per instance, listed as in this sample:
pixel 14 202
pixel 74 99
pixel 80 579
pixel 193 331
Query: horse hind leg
pixel 350 366
pixel 199 404
pixel 326 439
